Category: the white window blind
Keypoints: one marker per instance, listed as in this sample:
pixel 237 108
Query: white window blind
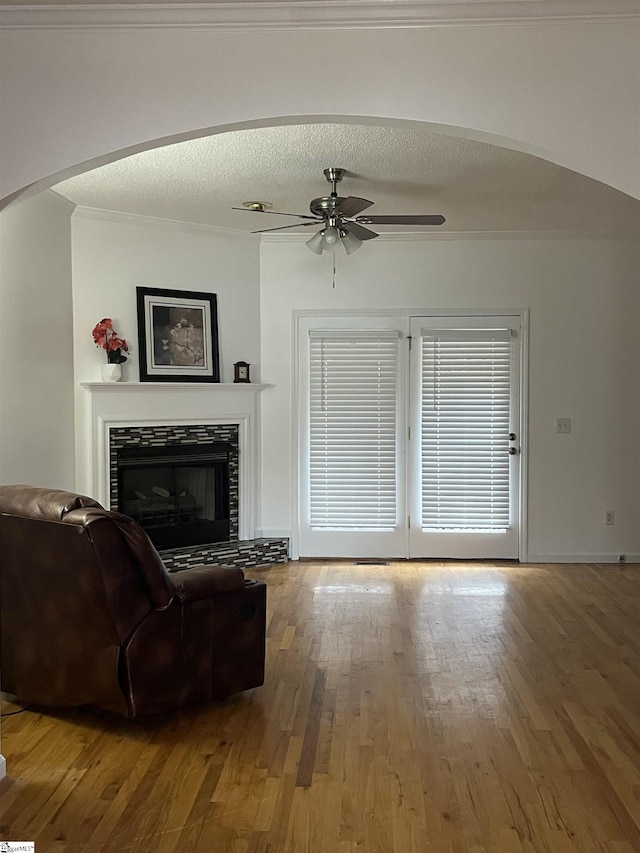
pixel 352 464
pixel 465 429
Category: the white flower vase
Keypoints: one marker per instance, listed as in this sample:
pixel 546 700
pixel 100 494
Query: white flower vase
pixel 111 372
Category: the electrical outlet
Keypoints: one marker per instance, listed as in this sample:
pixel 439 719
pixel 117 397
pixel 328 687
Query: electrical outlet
pixel 609 516
pixel 563 425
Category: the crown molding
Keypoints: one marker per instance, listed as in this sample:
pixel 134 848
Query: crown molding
pixel 82 212
pixel 313 14
pixel 397 236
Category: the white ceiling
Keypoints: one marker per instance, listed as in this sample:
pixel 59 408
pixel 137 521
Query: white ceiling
pixel 476 186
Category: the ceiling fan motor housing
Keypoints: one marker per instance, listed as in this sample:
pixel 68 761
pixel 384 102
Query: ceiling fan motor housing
pixel 325 206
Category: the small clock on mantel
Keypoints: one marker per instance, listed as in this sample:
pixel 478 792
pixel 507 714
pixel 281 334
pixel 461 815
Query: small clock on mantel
pixel 241 371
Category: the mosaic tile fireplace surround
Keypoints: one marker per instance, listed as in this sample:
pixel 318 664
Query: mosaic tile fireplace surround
pixel 246 554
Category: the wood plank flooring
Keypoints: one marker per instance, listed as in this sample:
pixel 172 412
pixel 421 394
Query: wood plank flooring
pixel 408 708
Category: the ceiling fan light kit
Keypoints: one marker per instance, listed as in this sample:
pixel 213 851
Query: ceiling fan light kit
pixel 315 243
pixel 350 242
pixel 339 217
pixel 330 238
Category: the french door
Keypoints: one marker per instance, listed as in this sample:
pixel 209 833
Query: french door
pixel 353 424
pixel 409 437
pixel 464 450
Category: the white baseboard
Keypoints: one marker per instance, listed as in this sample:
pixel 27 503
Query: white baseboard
pixel 581 558
pixel 277 533
pixel 3 767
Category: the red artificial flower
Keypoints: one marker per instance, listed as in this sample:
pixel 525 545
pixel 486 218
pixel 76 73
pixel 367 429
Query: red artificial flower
pixel 114 342
pixel 105 337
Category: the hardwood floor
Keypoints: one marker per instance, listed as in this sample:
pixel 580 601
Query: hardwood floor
pixel 408 708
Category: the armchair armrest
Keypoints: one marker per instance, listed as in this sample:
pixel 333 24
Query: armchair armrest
pixel 204 581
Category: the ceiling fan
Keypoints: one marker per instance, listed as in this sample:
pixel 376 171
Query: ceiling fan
pixel 339 218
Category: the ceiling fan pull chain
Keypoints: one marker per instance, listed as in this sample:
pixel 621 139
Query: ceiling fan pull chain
pixel 334 270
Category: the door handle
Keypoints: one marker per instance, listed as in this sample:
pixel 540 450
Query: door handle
pixel 513 451
pixel 512 436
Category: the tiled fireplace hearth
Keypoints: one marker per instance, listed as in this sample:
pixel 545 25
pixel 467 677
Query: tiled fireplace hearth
pixel 114 418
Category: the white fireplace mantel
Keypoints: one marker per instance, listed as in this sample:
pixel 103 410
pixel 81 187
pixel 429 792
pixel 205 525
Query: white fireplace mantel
pixel 102 406
pixel 210 388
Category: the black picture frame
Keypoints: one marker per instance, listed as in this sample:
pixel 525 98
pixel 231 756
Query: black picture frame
pixel 177 335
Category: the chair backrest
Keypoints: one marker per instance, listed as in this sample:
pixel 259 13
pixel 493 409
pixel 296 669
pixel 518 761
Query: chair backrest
pixel 44 504
pixel 75 582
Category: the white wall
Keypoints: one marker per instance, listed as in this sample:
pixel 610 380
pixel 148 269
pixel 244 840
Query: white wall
pixel 583 298
pixel 36 343
pixel 567 90
pixel 113 254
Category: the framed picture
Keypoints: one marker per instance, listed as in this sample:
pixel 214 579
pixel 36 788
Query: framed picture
pixel 177 336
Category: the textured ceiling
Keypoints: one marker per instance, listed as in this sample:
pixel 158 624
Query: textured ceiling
pixel 478 187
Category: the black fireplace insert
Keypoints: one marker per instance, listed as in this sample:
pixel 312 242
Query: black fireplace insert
pixel 178 493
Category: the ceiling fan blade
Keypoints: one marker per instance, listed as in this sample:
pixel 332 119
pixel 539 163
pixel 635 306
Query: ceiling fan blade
pixel 295 225
pixel 360 232
pixel 277 213
pixel 435 219
pixel 352 205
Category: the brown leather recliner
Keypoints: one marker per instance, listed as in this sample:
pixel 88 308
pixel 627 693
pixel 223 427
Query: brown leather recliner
pixel 89 614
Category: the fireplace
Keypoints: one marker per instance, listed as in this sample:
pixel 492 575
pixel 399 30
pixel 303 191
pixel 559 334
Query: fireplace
pixel 178 493
pixel 114 416
pixel 179 482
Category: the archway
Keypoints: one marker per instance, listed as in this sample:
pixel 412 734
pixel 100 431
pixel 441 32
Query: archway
pixel 459 132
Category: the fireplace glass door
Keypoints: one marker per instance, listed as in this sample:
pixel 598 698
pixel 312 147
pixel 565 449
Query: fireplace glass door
pixel 178 494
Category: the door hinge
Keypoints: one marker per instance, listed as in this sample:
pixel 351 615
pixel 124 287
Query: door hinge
pixel 409 522
pixel 409 433
pixel 409 338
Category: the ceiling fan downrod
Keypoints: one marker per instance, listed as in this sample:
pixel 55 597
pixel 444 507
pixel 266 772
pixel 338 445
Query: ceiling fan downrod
pixel 334 175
